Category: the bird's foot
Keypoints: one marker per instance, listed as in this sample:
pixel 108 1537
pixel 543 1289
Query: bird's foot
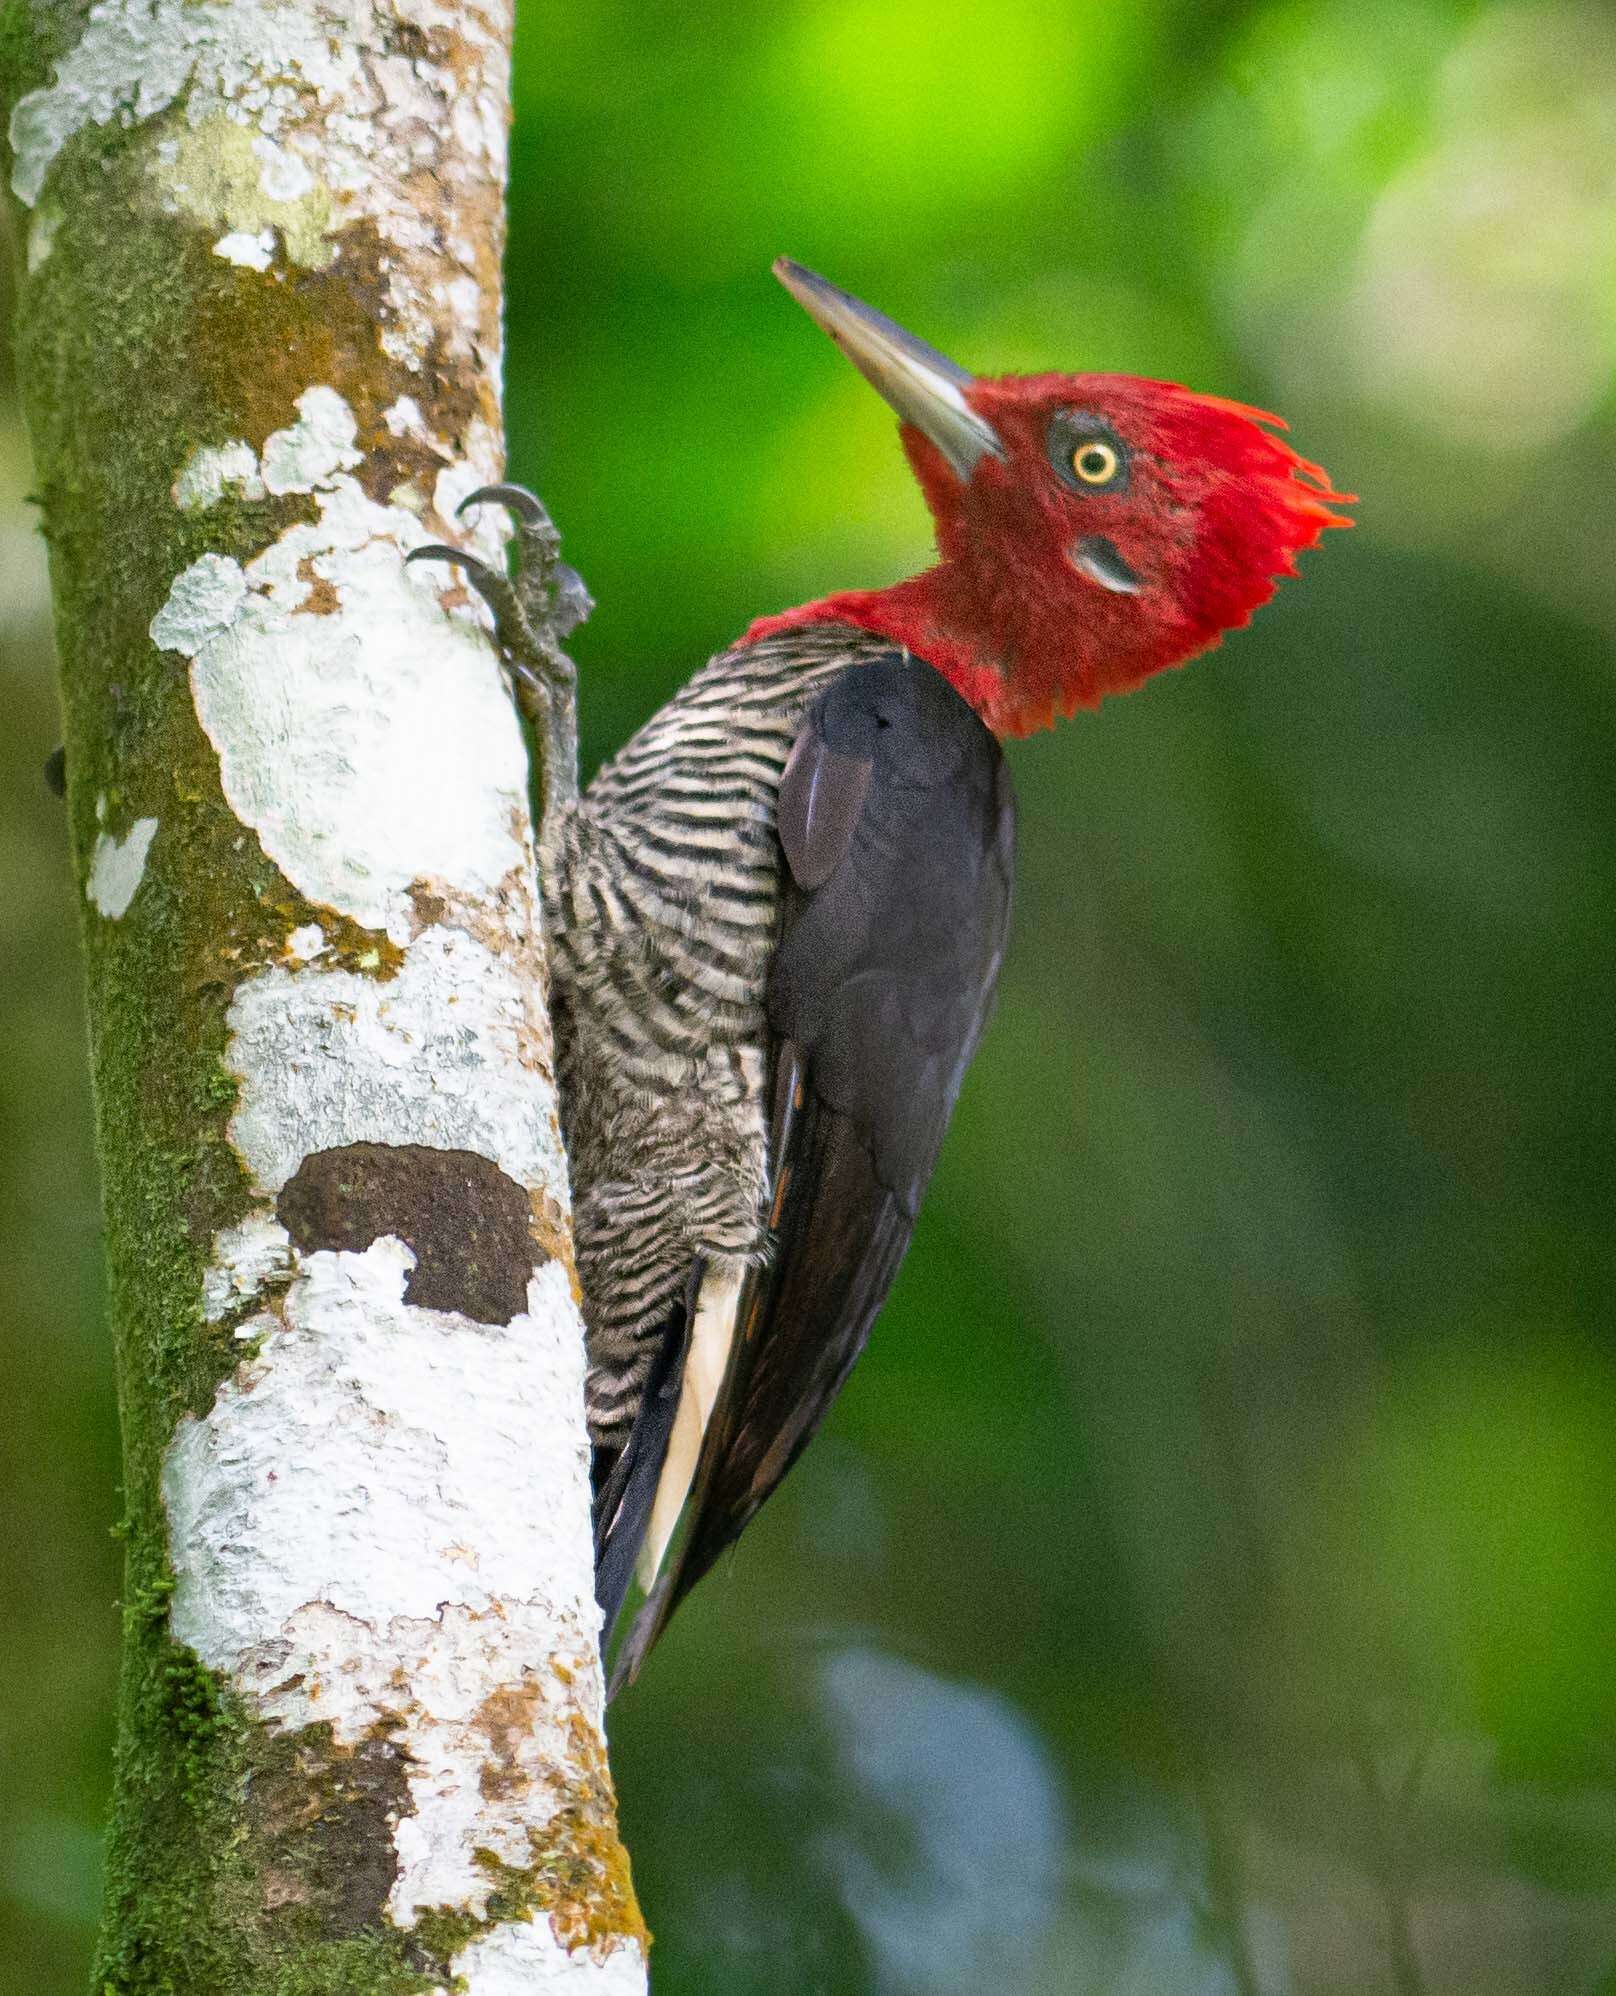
pixel 544 602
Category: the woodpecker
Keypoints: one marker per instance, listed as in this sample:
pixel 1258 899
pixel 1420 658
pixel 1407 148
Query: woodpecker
pixel 776 917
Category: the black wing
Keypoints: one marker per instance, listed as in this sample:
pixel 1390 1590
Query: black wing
pixel 898 826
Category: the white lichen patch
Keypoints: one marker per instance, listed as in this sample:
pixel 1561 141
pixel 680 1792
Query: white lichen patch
pixel 311 451
pixel 525 1959
pixel 367 1527
pixel 245 1257
pixel 131 60
pixel 211 471
pixel 117 866
pixel 283 176
pixel 449 1052
pixel 204 600
pixel 372 745
pixel 306 942
pixel 252 249
pixel 303 456
pixel 369 747
pixel 483 527
pixel 404 419
pixel 293 118
pixel 135 57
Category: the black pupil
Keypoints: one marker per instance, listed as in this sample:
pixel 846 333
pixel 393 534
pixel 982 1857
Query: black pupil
pixel 1094 461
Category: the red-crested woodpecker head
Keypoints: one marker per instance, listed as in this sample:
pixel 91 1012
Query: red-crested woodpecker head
pixel 1093 528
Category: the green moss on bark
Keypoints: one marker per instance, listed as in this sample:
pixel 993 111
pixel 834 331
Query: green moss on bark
pixel 259 1889
pixel 115 405
pixel 256 1889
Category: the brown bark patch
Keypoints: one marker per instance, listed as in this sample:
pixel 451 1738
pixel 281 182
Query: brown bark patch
pixel 507 1716
pixel 322 599
pixel 492 922
pixel 323 326
pixel 553 1232
pixel 326 1815
pixel 467 1222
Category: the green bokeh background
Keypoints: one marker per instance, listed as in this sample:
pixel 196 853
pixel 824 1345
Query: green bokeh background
pixel 1206 1584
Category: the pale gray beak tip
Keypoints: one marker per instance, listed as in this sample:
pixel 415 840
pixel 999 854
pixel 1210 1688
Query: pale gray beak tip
pixel 923 386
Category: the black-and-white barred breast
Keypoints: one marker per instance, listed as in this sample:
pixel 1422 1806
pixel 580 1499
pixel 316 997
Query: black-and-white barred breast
pixel 663 888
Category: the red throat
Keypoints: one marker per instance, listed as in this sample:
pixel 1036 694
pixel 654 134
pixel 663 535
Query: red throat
pixel 1218 511
pixel 925 616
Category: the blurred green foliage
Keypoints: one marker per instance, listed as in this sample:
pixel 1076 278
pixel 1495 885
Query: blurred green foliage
pixel 1206 1584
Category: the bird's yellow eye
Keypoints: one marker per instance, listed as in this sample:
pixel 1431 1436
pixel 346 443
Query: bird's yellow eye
pixel 1095 463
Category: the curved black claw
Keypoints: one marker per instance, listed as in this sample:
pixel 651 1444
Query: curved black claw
pixel 527 506
pixel 533 610
pixel 524 651
pixel 457 557
pixel 512 625
pixel 552 595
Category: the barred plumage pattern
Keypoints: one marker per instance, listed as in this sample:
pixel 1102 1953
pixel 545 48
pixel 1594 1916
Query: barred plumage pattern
pixel 663 895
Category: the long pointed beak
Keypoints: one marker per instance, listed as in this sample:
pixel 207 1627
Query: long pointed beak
pixel 922 385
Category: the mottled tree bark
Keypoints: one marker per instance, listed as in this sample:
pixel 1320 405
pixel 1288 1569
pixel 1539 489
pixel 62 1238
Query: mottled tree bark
pixel 259 338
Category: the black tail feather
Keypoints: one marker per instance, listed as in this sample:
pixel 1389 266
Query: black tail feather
pixel 625 1488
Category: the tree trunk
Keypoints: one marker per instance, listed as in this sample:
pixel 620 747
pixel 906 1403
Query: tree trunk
pixel 259 335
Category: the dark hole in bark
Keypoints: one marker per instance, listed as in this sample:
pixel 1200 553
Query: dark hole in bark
pixel 466 1220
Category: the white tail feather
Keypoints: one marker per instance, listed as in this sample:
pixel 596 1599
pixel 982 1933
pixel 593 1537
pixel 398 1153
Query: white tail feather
pixel 710 1339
